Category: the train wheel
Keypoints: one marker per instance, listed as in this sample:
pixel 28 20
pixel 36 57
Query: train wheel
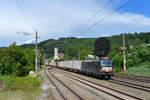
pixel 101 77
pixel 107 77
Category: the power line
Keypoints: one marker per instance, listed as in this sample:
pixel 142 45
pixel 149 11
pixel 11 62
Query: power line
pixel 30 23
pixel 97 12
pixel 23 13
pixel 123 5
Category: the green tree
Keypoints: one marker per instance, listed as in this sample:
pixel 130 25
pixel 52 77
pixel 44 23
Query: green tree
pixel 84 53
pixel 72 52
pixel 115 49
pixel 118 62
pixel 101 46
pixel 12 59
pixel 16 61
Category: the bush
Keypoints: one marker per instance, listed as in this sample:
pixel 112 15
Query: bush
pixel 118 62
pixel 21 83
pixel 137 56
pixel 24 83
pixel 143 69
pixel 16 61
pixel 6 79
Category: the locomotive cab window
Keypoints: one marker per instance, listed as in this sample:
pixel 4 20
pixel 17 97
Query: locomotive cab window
pixel 106 63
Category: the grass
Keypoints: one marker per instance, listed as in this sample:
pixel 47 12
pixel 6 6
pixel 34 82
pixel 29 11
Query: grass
pixel 6 79
pixel 40 69
pixel 143 70
pixel 20 88
pixel 19 95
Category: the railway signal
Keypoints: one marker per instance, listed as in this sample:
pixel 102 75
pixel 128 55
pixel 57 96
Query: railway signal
pixel 122 48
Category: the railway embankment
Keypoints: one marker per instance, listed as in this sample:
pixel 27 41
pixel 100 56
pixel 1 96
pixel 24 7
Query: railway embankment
pixel 56 84
pixel 20 88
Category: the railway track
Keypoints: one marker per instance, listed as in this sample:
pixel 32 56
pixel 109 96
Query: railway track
pixel 132 85
pixel 54 85
pixel 134 77
pixel 114 92
pixel 47 73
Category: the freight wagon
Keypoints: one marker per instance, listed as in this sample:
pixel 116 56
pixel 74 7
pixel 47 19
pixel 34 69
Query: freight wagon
pixel 102 67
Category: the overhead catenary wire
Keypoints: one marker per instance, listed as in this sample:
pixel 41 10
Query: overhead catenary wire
pixel 32 25
pixel 24 14
pixel 96 13
pixel 110 14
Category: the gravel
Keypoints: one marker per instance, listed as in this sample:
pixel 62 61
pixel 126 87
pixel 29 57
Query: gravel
pixel 129 90
pixel 49 92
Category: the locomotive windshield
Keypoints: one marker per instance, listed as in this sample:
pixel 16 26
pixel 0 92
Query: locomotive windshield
pixel 106 62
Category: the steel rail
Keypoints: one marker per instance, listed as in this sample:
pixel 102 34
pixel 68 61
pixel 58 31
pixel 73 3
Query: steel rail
pixel 128 85
pixel 134 77
pixel 55 85
pixel 101 86
pixel 66 86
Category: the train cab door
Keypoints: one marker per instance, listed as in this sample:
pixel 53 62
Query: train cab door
pixel 98 67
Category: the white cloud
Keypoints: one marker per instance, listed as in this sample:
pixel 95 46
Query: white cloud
pixel 79 37
pixel 30 41
pixel 61 18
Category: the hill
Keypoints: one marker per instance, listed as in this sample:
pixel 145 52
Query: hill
pixel 47 47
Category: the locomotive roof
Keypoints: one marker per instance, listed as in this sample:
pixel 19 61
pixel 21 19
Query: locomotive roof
pixel 95 60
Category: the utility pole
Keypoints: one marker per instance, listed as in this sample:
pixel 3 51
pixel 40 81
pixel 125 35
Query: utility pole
pixel 36 58
pixel 79 54
pixel 124 54
pixel 44 55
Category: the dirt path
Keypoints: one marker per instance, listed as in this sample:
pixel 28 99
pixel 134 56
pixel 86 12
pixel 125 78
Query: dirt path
pixel 47 89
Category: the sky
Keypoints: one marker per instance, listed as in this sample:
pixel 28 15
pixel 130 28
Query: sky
pixel 65 18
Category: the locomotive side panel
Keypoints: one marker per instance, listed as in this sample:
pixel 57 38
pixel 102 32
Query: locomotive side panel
pixel 90 67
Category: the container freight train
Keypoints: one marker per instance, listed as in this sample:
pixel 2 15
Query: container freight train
pixel 102 67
